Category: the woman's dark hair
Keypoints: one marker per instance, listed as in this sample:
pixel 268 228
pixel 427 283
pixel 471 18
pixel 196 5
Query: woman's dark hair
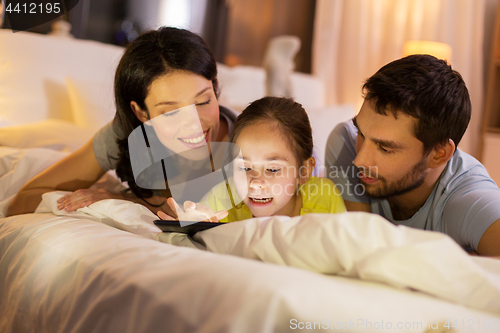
pixel 151 55
pixel 290 118
pixel 427 89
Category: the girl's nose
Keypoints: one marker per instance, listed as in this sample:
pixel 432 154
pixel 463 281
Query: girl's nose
pixel 257 184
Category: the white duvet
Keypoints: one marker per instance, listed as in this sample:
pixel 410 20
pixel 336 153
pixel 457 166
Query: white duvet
pixel 77 272
pixel 359 245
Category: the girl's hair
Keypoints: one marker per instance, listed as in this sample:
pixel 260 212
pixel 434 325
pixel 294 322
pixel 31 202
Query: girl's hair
pixel 290 118
pixel 151 55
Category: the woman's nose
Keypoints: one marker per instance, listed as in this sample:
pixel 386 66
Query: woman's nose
pixel 190 117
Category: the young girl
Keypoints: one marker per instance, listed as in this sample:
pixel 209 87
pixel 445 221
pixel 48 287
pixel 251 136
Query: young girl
pixel 272 175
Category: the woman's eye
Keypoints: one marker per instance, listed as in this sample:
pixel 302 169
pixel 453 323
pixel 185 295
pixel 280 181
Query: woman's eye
pixel 273 170
pixel 203 103
pixel 244 169
pixel 171 113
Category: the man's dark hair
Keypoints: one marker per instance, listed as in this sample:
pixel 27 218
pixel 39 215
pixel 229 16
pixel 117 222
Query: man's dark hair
pixel 427 89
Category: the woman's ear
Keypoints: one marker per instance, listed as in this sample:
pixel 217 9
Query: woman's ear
pixel 141 114
pixel 441 154
pixel 306 170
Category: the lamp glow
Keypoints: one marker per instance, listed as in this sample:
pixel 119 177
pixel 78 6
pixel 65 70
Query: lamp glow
pixel 436 49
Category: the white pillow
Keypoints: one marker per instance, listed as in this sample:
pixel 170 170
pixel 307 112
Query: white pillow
pixel 92 102
pixel 240 85
pixel 308 90
pixel 51 133
pixel 323 121
pixel 33 68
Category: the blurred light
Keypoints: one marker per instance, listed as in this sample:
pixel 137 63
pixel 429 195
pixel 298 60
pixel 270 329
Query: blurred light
pixel 436 49
pixel 127 25
pixel 174 13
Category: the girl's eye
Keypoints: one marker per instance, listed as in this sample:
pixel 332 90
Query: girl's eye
pixel 203 103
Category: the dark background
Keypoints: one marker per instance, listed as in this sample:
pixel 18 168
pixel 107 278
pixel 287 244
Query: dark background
pixel 237 31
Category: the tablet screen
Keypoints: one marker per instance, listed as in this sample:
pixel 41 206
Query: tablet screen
pixel 191 229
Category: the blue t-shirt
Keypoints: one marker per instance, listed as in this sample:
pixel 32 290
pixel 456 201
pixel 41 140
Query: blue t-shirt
pixel 463 204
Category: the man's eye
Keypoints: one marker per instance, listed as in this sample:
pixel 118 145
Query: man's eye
pixel 203 103
pixel 384 150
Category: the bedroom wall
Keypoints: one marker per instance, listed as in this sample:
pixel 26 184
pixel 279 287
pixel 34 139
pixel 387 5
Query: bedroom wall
pixel 251 24
pixel 237 31
pixel 489 24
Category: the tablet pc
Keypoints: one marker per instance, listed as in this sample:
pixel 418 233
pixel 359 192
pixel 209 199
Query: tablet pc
pixel 175 226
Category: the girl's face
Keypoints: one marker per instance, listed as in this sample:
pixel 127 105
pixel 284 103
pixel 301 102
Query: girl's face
pixel 266 173
pixel 183 110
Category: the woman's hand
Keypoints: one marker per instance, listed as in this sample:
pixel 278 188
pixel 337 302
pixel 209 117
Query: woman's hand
pixel 84 197
pixel 192 212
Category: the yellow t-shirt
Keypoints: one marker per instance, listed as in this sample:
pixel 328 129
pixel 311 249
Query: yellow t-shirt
pixel 319 195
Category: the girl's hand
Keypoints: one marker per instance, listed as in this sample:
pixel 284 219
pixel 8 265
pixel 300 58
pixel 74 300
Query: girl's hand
pixel 83 198
pixel 192 212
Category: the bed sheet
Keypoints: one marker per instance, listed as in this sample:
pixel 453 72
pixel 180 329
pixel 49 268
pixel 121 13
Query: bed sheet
pixel 68 274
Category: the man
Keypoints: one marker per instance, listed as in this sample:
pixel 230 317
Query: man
pixel 398 157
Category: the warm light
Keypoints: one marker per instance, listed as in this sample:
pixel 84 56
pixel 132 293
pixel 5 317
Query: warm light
pixel 174 13
pixel 439 50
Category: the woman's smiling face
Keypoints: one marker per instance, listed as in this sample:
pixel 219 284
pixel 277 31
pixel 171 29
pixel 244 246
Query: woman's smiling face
pixel 266 172
pixel 183 110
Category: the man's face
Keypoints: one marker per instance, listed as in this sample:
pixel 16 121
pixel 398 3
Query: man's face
pixel 388 155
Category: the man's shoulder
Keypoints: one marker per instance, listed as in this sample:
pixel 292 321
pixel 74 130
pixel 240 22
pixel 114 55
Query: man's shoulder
pixel 346 128
pixel 344 133
pixel 464 168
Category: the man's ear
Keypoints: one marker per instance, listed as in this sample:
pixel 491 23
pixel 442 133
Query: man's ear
pixel 141 114
pixel 306 170
pixel 441 154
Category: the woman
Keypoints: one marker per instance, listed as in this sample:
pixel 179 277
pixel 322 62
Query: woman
pixel 160 72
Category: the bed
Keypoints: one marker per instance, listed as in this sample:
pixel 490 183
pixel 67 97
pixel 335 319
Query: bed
pixel 108 268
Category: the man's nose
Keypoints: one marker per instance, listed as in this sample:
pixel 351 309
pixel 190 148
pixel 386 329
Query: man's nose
pixel 364 157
